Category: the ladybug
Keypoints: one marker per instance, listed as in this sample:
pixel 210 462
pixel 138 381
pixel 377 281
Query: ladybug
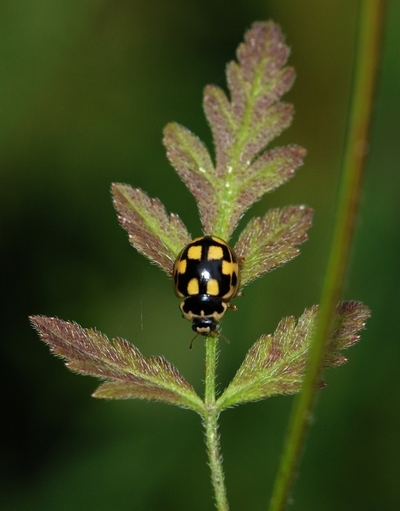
pixel 206 274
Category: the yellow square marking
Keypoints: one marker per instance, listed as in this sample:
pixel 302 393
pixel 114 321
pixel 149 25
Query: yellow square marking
pixel 193 287
pixel 213 287
pixel 194 252
pixel 181 266
pixel 229 268
pixel 214 252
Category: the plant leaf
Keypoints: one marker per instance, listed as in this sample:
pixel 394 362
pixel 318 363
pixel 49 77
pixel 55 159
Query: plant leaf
pixel 127 373
pixel 276 363
pixel 271 241
pixel 268 171
pixel 151 231
pixel 192 161
pixel 345 330
pixel 242 127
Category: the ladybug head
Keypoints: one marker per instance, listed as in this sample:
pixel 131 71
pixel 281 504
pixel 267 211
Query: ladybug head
pixel 204 326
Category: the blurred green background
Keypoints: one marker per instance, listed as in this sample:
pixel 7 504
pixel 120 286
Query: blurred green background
pixel 85 89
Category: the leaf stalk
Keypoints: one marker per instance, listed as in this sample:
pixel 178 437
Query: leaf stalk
pixel 210 420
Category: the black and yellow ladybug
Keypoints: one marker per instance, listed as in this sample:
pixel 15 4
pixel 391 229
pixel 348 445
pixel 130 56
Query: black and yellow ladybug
pixel 206 274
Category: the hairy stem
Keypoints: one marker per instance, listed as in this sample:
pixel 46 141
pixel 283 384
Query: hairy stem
pixel 211 426
pixel 368 50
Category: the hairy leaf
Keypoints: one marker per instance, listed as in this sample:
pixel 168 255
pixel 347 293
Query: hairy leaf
pixel 271 241
pixel 242 127
pixel 192 161
pixel 276 363
pixel 345 331
pixel 151 231
pixel 127 373
pixel 268 172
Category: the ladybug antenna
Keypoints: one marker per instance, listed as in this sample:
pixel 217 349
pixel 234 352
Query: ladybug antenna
pixel 224 338
pixel 219 335
pixel 194 338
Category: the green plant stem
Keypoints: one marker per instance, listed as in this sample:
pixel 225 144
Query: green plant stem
pixel 211 426
pixel 368 50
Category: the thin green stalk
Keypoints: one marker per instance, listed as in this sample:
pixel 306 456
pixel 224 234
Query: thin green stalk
pixel 211 426
pixel 368 51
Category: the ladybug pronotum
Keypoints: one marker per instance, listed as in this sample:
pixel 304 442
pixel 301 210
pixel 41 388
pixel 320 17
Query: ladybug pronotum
pixel 206 274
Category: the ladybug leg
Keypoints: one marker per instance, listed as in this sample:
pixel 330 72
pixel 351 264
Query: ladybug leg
pixel 233 307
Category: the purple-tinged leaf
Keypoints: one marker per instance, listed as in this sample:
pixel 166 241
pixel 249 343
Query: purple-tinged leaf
pixel 269 171
pixel 267 127
pixel 158 236
pixel 224 126
pixel 127 372
pixel 242 127
pixel 272 240
pixel 276 363
pixel 262 54
pixel 350 318
pixel 191 160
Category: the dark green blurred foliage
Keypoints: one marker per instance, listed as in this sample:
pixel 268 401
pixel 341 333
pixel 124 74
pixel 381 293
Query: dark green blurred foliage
pixel 85 90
